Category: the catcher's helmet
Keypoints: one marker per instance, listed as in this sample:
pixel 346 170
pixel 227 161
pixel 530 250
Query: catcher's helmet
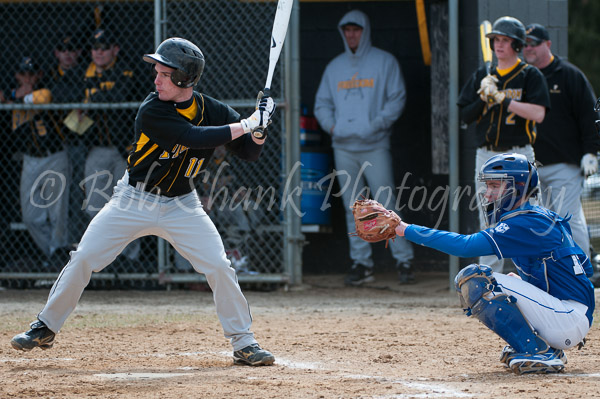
pixel 522 182
pixel 511 27
pixel 182 55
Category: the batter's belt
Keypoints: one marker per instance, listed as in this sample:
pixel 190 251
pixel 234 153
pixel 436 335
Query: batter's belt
pixel 155 190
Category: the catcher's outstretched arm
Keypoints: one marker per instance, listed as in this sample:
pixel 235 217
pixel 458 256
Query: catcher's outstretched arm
pixel 461 245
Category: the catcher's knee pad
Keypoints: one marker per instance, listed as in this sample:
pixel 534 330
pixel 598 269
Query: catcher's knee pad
pixel 481 297
pixel 480 282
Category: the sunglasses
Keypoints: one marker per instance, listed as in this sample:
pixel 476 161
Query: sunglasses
pixel 66 48
pixel 101 46
pixel 533 43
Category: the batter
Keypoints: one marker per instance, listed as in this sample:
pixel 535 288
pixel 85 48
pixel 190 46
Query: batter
pixel 176 132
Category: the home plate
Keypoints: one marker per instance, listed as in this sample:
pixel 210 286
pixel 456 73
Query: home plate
pixel 140 376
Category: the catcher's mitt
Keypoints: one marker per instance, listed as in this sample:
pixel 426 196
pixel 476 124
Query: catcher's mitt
pixel 373 222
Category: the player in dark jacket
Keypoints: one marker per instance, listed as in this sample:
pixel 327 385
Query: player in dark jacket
pixel 176 132
pixel 568 140
pixel 44 182
pixel 506 104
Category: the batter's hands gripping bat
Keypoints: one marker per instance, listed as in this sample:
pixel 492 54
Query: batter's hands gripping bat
pixel 280 25
pixel 486 51
pixel 488 90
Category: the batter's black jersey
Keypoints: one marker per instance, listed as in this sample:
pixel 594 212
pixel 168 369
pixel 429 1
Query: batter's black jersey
pixel 497 126
pixel 159 158
pixel 568 131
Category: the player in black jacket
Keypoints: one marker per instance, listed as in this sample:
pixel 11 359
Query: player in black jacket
pixel 506 104
pixel 176 132
pixel 568 142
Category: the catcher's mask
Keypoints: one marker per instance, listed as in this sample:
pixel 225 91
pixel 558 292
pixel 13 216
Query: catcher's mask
pixel 511 27
pixel 518 179
pixel 183 56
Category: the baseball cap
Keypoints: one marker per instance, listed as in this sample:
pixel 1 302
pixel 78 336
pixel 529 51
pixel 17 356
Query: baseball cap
pixel 537 33
pixel 67 41
pixel 103 38
pixel 27 65
pixel 352 24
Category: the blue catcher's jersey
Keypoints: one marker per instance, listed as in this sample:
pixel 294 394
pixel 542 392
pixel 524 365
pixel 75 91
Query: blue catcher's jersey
pixel 540 244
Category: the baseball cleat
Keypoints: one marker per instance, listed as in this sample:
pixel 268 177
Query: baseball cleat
pixel 359 275
pixel 406 274
pixel 253 355
pixel 506 355
pixel 553 361
pixel 38 336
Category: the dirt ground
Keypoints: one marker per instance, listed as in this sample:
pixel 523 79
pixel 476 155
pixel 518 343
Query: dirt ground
pixel 380 341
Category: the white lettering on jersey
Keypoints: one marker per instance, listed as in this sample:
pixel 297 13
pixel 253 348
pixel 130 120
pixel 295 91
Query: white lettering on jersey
pixel 501 228
pixel 577 268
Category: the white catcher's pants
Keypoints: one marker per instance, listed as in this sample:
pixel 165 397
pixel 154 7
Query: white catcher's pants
pixel 562 324
pixel 182 221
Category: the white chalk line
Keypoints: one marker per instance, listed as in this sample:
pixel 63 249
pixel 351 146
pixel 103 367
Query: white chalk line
pixel 427 390
pixel 140 376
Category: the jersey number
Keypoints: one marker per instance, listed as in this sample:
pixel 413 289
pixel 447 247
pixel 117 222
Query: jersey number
pixel 577 268
pixel 194 167
pixel 510 119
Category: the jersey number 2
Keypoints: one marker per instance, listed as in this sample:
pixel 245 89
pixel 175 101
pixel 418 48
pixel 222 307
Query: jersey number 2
pixel 510 119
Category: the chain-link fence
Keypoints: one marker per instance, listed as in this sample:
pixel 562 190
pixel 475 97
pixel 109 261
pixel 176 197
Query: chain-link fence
pixel 72 79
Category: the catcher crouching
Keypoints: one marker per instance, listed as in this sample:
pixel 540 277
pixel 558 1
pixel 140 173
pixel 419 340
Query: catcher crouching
pixel 540 312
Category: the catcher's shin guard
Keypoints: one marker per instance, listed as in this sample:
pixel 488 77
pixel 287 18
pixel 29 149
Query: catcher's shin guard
pixel 481 298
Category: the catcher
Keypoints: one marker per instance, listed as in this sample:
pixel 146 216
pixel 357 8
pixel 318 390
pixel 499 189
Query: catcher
pixel 548 306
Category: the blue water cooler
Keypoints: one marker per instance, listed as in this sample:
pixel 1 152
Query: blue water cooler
pixel 316 164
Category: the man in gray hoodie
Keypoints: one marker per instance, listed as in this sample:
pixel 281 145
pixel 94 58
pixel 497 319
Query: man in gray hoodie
pixel 360 96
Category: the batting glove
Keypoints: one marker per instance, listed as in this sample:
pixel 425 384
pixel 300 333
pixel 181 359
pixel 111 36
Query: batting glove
pixel 489 82
pixel 491 95
pixel 266 103
pixel 589 164
pixel 259 119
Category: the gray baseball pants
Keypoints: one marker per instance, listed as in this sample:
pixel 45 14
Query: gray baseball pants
pixel 181 221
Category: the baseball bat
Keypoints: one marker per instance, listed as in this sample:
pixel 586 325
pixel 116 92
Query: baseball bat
pixel 486 51
pixel 280 26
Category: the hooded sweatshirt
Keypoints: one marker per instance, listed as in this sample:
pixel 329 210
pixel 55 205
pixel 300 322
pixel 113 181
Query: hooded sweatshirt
pixel 361 94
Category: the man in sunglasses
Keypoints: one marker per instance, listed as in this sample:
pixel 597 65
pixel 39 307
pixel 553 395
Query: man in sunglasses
pixel 568 142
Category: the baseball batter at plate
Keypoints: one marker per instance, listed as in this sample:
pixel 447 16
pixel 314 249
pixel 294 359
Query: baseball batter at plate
pixel 548 306
pixel 506 104
pixel 176 132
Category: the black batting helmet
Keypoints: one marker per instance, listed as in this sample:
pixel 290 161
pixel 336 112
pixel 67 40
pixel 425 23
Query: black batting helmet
pixel 183 56
pixel 511 27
